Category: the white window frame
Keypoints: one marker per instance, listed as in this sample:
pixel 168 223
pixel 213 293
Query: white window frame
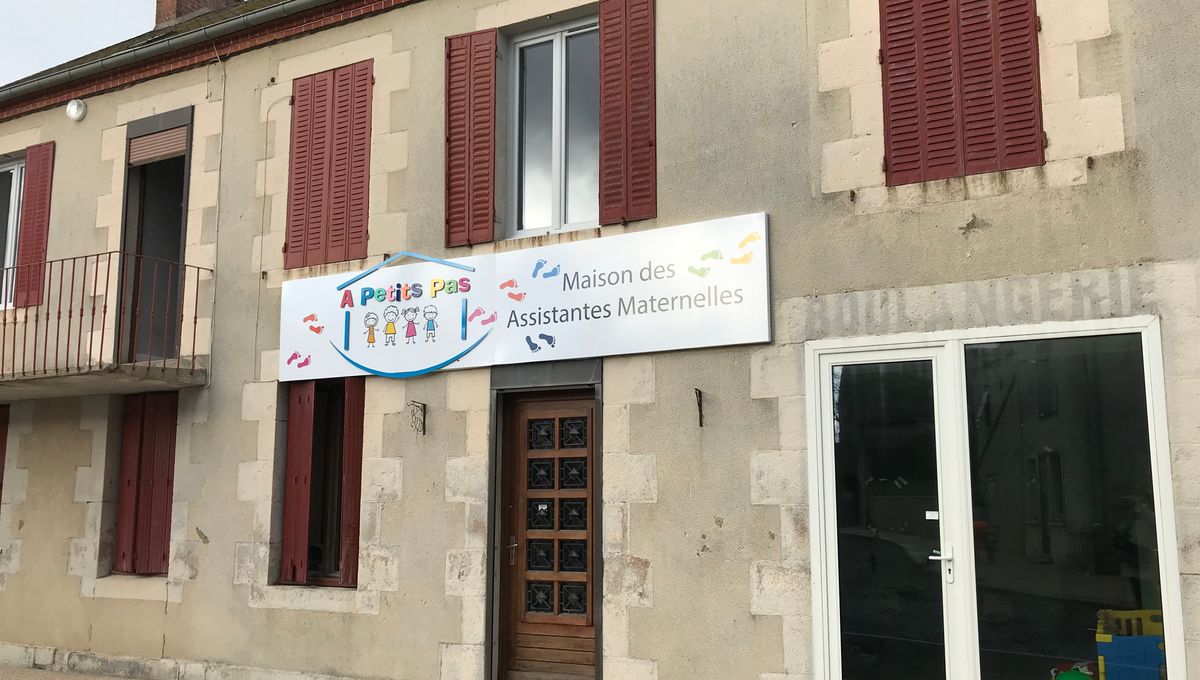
pixel 7 273
pixel 946 349
pixel 558 35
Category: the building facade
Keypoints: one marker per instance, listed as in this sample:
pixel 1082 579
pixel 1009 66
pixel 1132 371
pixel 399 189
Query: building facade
pixel 955 439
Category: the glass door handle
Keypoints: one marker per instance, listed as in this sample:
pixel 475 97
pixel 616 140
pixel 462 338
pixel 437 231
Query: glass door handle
pixel 939 556
pixel 512 550
pixel 946 557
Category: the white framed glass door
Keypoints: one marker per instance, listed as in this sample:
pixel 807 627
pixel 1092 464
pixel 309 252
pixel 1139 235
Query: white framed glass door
pixel 1031 465
pixel 893 584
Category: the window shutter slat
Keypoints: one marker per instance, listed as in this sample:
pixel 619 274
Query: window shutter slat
pixel 299 171
pixel 127 494
pixel 296 491
pixel 360 159
pixel 352 445
pixel 35 224
pixel 470 137
pixel 1020 84
pixel 628 153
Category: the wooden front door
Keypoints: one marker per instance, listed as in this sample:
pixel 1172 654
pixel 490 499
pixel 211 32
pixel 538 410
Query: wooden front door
pixel 547 599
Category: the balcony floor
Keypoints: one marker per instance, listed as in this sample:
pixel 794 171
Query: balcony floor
pixel 122 379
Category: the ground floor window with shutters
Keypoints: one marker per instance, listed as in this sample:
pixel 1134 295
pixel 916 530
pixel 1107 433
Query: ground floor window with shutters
pixel 11 176
pixel 323 480
pixel 555 135
pixel 147 474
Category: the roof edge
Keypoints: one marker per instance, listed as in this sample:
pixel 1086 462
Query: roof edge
pixel 152 49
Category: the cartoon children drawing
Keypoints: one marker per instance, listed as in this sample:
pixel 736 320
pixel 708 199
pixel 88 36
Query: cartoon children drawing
pixel 370 321
pixel 410 328
pixel 391 314
pixel 430 323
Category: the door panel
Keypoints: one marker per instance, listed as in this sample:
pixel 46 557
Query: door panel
pixel 886 467
pixel 548 561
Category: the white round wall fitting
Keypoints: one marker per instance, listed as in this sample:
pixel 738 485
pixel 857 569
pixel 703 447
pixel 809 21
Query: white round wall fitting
pixel 76 110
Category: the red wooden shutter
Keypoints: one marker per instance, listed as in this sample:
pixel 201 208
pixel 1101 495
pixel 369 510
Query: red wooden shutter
pixel 35 224
pixel 470 138
pixel 350 162
pixel 922 113
pixel 152 542
pixel 628 128
pixel 360 159
pixel 1020 85
pixel 330 166
pixel 352 445
pixel 127 494
pixel 961 88
pixel 300 179
pixel 4 413
pixel 296 486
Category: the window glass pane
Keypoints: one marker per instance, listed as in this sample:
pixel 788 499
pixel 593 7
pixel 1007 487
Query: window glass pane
pixel 325 500
pixel 537 129
pixel 583 128
pixel 885 450
pixel 7 179
pixel 1066 550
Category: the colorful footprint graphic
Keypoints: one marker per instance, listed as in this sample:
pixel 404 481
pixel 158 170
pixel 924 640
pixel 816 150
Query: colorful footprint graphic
pixel 489 320
pixel 295 355
pixel 548 338
pixel 711 255
pixel 519 297
pixel 537 268
pixel 750 238
pixel 310 318
pixel 552 272
pixel 744 259
pixel 511 283
pixel 533 346
pixel 317 329
pixel 475 314
pixel 307 361
pixel 699 271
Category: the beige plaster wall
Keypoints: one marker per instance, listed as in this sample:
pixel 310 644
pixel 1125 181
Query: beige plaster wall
pixel 705 538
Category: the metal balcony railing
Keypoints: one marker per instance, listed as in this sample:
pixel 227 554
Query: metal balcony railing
pixel 95 313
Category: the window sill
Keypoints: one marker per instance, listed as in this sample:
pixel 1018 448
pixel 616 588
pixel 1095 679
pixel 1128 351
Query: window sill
pixel 131 587
pixel 314 598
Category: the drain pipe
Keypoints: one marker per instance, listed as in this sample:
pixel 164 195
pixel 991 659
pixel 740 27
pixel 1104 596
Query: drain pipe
pixel 160 46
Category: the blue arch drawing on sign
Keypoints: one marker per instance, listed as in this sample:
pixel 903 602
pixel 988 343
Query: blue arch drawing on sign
pixel 420 371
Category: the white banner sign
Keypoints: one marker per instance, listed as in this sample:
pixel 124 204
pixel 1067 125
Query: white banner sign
pixel 699 285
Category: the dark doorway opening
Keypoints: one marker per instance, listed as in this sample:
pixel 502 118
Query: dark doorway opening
pixel 156 212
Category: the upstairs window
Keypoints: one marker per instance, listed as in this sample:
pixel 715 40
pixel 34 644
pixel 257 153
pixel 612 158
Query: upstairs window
pixel 556 131
pixel 323 479
pixel 581 145
pixel 961 88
